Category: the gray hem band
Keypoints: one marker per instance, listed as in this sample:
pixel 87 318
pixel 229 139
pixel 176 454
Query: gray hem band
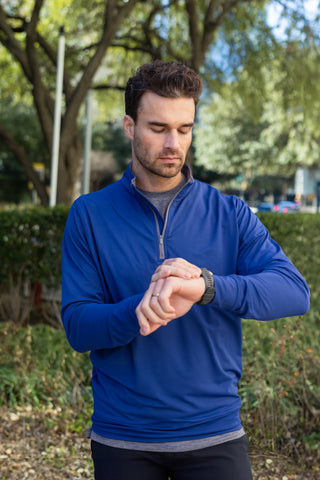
pixel 183 446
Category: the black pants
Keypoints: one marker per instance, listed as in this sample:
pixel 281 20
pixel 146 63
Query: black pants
pixel 228 461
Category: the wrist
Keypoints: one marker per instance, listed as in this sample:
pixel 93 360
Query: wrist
pixel 209 292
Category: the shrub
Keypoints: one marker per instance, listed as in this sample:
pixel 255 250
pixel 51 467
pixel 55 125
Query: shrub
pixel 39 368
pixel 31 244
pixel 280 387
pixel 299 236
pixel 30 270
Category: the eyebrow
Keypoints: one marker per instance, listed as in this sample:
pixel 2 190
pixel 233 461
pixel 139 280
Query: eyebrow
pixel 161 124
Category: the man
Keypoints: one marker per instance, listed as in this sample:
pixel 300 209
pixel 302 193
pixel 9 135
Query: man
pixel 158 270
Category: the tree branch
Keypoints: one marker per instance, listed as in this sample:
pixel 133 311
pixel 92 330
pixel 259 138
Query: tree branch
pixel 195 37
pixel 214 15
pixel 26 163
pixel 9 41
pixel 42 99
pixel 32 25
pixel 113 17
pixel 28 61
pixel 107 86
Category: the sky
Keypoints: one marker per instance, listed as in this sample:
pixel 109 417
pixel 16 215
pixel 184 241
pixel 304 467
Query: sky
pixel 311 8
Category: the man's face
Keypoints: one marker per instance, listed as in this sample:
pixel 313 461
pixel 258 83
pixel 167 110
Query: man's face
pixel 161 137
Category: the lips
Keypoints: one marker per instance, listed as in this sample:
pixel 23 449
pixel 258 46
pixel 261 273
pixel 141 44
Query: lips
pixel 170 158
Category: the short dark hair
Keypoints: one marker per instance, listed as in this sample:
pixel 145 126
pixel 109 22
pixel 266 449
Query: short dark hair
pixel 171 80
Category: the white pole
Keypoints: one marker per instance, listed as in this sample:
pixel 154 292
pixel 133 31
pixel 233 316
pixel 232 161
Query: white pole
pixel 57 120
pixel 87 145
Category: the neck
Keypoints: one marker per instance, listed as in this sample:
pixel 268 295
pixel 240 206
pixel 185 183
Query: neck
pixel 152 182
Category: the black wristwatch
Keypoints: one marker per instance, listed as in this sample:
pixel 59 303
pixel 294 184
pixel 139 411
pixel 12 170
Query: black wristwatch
pixel 209 292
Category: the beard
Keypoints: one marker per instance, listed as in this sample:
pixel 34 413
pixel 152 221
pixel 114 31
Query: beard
pixel 155 165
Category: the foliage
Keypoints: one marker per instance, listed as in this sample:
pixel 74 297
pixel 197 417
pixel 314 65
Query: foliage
pixel 265 120
pixel 280 387
pixel 39 368
pixel 244 42
pixel 31 244
pixel 21 121
pixel 110 137
pixel 30 271
pixel 103 44
pixel 29 32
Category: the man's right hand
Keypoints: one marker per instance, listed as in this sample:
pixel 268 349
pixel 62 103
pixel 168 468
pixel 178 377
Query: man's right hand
pixel 174 288
pixel 176 267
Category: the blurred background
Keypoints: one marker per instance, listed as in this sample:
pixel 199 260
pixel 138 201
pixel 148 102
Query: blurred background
pixel 257 126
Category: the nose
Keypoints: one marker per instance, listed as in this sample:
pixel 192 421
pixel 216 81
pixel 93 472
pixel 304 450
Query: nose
pixel 172 140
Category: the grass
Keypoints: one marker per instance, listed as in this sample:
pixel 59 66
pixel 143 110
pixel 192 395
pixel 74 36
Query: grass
pixel 39 368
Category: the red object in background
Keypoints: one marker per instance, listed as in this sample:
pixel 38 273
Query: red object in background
pixel 37 294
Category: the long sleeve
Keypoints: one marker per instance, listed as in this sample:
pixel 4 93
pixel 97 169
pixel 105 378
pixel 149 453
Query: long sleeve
pixel 267 284
pixel 91 319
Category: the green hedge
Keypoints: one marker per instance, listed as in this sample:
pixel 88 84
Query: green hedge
pixel 299 236
pixel 31 242
pixel 30 246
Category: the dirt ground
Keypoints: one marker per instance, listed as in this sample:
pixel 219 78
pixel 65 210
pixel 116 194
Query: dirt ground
pixel 38 445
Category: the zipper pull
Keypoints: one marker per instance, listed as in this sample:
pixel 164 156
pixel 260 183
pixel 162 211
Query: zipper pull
pixel 161 247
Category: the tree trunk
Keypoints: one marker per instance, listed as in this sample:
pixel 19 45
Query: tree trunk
pixel 28 55
pixel 69 170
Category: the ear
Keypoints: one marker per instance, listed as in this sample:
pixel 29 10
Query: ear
pixel 128 126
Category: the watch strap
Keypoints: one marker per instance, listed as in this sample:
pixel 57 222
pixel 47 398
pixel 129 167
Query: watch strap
pixel 209 292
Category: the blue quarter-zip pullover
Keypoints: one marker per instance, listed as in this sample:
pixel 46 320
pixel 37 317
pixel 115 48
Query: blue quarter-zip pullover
pixel 179 383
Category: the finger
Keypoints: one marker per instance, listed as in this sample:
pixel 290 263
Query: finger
pixel 165 272
pixel 148 326
pixel 164 307
pixel 186 266
pixel 158 301
pixel 176 267
pixel 181 263
pixel 161 308
pixel 152 328
pixel 143 321
pixel 151 310
pixel 156 313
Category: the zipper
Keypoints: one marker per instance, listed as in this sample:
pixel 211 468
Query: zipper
pixel 160 234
